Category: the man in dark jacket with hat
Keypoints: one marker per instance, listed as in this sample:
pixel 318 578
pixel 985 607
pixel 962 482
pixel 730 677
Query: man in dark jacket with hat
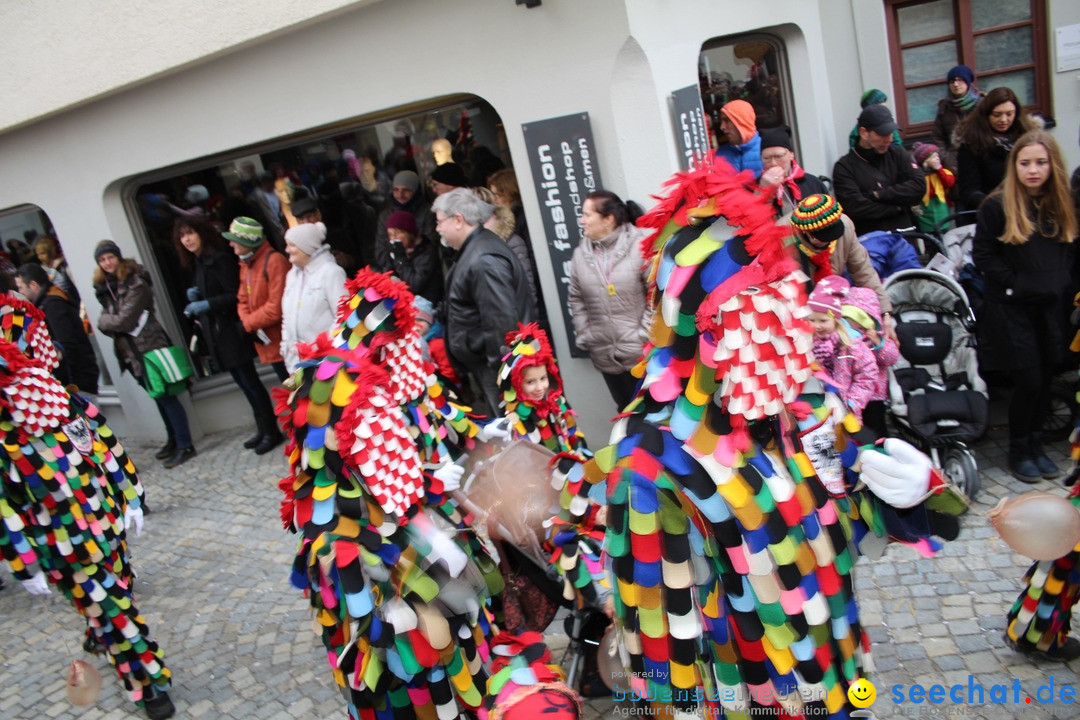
pixel 77 362
pixel 487 293
pixel 878 182
pixel 781 174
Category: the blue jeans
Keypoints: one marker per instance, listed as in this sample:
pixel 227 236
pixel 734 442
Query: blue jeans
pixel 176 422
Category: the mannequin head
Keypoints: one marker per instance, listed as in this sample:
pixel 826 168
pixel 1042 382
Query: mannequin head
pixel 442 151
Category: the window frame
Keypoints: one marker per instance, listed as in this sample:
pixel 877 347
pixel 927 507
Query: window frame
pixel 965 36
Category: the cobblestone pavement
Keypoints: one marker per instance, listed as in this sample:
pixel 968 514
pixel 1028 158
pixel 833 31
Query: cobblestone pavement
pixel 213 563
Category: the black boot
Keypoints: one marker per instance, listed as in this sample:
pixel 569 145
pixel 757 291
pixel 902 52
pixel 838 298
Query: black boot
pixel 166 450
pixel 180 457
pixel 1021 466
pixel 1046 466
pixel 271 436
pixel 253 441
pixel 158 705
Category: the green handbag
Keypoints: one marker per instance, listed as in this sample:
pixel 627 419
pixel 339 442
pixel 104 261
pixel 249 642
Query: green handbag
pixel 167 371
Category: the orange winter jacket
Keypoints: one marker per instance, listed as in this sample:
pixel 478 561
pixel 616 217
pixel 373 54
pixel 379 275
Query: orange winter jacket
pixel 262 282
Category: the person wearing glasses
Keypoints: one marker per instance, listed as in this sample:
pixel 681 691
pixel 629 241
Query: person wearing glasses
pixel 487 293
pixel 780 172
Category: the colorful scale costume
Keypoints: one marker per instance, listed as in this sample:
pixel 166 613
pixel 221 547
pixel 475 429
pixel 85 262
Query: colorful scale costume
pixel 1041 617
pixel 66 485
pixel 731 560
pixel 551 422
pixel 398 589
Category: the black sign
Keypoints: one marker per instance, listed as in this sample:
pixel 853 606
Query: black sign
pixel 690 135
pixel 563 159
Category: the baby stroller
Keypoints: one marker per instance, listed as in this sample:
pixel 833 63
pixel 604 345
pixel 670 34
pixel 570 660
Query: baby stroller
pixel 936 396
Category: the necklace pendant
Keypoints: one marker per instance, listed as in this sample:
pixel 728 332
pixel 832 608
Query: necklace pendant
pixel 611 289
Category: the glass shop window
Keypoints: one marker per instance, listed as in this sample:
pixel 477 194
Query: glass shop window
pixel 347 170
pixel 751 68
pixel 27 236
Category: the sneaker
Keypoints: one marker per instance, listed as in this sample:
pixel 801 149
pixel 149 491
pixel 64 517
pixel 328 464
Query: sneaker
pixel 159 706
pixel 180 457
pixel 1065 652
pixel 166 451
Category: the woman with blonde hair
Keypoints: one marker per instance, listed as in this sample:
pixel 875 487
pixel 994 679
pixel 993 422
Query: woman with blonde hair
pixel 1024 248
pixel 502 223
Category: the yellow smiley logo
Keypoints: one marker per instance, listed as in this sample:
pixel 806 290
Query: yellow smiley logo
pixel 862 693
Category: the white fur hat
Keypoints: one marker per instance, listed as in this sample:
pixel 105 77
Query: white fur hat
pixel 308 237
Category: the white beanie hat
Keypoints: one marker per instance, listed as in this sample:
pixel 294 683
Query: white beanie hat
pixel 308 237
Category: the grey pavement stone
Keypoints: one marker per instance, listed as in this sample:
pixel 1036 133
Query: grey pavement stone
pixel 213 585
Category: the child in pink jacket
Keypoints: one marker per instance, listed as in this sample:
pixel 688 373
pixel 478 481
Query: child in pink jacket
pixel 849 362
pixel 863 314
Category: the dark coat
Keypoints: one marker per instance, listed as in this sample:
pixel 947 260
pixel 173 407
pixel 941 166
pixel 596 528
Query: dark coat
pixel 78 364
pixel 487 295
pixel 217 276
pixel 123 303
pixel 945 121
pixel 894 176
pixel 979 174
pixel 421 271
pixel 425 223
pixel 1020 325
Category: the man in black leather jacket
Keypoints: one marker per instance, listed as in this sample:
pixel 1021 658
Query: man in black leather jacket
pixel 487 293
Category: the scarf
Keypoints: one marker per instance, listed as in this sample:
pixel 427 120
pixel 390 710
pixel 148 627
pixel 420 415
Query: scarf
pixel 820 259
pixel 935 188
pixel 1004 142
pixel 825 351
pixel 789 182
pixel 964 103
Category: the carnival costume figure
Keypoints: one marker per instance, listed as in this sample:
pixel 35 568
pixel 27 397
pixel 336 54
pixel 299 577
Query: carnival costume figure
pixel 731 558
pixel 397 580
pixel 68 495
pixel 1039 622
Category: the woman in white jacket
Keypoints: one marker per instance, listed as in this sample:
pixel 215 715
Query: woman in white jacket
pixel 313 287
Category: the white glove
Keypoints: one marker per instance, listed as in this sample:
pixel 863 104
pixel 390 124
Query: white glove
pixel 900 476
pixel 133 520
pixel 450 475
pixel 37 585
pixel 494 430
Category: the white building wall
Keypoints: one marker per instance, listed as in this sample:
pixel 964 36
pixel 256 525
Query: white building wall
pixel 169 83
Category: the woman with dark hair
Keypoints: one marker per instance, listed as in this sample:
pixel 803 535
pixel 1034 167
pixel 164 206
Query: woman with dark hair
pixel 608 292
pixel 125 292
pixel 212 303
pixel 1024 248
pixel 985 138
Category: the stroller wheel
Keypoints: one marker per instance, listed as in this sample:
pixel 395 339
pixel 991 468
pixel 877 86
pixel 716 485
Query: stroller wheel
pixel 959 467
pixel 1060 419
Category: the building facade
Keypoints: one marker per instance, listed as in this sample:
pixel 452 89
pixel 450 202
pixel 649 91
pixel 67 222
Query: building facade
pixel 108 105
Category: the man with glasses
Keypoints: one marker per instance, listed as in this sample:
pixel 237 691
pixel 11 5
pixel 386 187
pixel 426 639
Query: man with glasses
pixel 781 174
pixel 487 293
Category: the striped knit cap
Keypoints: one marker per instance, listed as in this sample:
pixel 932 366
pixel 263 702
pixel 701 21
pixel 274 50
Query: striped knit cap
pixel 245 231
pixel 819 215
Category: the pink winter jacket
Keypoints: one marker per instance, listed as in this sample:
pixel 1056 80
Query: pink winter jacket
pixel 888 353
pixel 852 368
